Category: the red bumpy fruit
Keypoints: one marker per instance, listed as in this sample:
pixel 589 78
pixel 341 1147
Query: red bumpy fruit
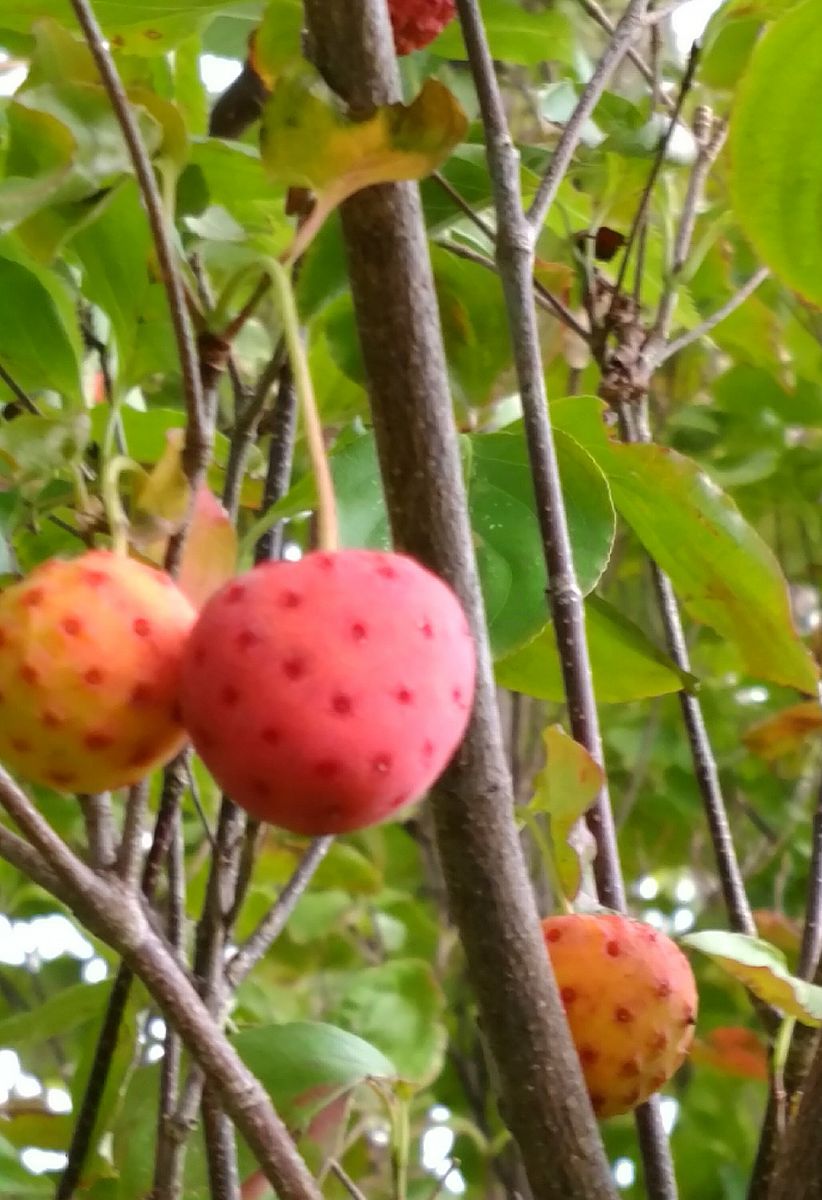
pixel 418 22
pixel 325 694
pixel 630 998
pixel 90 654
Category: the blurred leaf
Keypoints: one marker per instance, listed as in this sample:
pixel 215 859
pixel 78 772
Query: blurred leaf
pixel 210 550
pixel 778 929
pixel 37 346
pixel 61 1013
pixel 515 34
pixel 133 26
pixel 399 1007
pixel 734 1050
pixel 564 790
pixel 275 43
pixel 626 665
pixel 114 251
pixel 776 153
pixel 291 1059
pixel 762 969
pixel 784 732
pixel 161 497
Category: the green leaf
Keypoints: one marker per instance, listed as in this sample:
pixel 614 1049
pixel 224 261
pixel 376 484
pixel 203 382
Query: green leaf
pixel 724 573
pixel 65 142
pixel 292 1059
pixel 114 252
pixel 776 151
pixel 134 26
pixel 37 346
pixel 515 34
pixel 399 1007
pixel 507 537
pixel 763 969
pixel 564 790
pixel 474 326
pixel 626 665
pixel 68 1009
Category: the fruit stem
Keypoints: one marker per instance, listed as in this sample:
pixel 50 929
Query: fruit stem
pixel 116 513
pixel 328 531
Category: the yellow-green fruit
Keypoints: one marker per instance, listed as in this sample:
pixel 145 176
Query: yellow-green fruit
pixel 630 999
pixel 90 653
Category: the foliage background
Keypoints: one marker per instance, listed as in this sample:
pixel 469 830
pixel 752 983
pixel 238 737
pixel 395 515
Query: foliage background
pixel 85 343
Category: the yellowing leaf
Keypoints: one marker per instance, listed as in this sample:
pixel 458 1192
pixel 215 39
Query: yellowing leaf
pixel 565 790
pixel 210 551
pixel 161 497
pixel 275 43
pixel 783 733
pixel 309 139
pixel 781 931
pixel 762 969
pixel 734 1050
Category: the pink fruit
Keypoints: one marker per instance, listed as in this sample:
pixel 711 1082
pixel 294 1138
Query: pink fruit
pixel 325 694
pixel 630 999
pixel 418 22
pixel 90 653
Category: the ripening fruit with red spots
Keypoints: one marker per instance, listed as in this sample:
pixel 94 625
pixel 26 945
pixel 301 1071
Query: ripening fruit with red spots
pixel 631 1001
pixel 325 694
pixel 418 22
pixel 90 654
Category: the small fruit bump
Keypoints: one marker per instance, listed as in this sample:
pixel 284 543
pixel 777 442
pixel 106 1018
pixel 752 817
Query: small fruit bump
pixel 625 1024
pixel 360 653
pixel 86 705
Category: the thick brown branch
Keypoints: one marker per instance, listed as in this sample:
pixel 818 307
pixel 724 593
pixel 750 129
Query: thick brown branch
pixel 490 896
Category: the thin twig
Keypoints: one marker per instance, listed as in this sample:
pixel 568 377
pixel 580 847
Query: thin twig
pixel 257 944
pixel 211 936
pixel 515 256
pixel 659 158
pixel 100 829
pixel 117 916
pixel 489 894
pixel 699 331
pixel 545 299
pixel 706 771
pixel 168 1165
pixel 706 158
pixel 626 31
pixel 198 431
pixel 245 430
pixel 85 1122
pixel 130 853
pixel 221 1150
pixel 346 1180
pixel 604 21
pixel 21 396
pixel 283 426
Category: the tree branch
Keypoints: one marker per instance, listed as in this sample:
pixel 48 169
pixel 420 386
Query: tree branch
pixel 515 256
pixel 198 425
pixel 100 832
pixel 604 21
pixel 243 961
pixel 626 31
pixel 544 1098
pixel 739 297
